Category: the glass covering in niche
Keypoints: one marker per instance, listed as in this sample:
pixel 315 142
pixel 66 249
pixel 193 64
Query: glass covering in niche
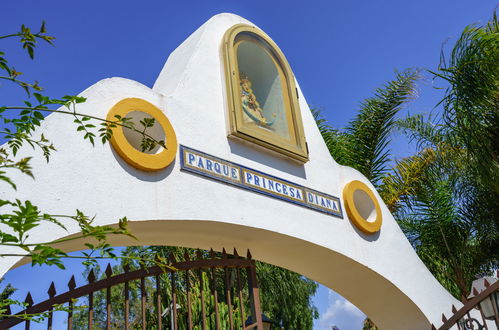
pixel 261 84
pixel 263 105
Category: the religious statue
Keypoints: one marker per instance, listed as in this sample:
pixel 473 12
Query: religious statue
pixel 251 107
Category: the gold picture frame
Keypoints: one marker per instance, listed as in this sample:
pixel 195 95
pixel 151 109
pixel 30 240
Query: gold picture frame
pixel 262 101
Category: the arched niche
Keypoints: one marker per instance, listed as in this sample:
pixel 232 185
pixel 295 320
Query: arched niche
pixel 262 96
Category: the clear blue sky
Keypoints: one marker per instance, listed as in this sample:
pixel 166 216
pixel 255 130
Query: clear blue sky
pixel 340 51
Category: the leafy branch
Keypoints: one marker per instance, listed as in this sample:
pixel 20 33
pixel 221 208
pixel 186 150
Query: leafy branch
pixel 18 218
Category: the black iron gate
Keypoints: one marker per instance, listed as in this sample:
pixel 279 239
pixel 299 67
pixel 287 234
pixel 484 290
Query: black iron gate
pixel 223 285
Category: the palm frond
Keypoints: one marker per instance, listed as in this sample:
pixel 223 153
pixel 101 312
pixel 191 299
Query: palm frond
pixel 369 132
pixel 336 141
pixel 363 144
pixel 471 102
pixel 400 184
pixel 425 132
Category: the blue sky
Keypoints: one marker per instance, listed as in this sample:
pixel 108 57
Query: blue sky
pixel 340 51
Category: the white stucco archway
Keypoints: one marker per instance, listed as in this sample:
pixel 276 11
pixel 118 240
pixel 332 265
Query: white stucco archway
pixel 380 273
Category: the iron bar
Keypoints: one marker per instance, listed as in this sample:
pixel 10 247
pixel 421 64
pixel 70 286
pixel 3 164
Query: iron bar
pixel 70 315
pixel 29 302
pixel 215 297
pixel 108 308
pixel 49 321
pixel 90 310
pixel 107 283
pixel 158 302
pixel 91 279
pixel 188 293
pixel 109 273
pixel 143 301
pixel 51 292
pixel 71 286
pixel 241 302
pixel 496 313
pixel 174 303
pixel 254 296
pixel 472 303
pixel 228 299
pixel 127 306
pixel 469 317
pixel 203 307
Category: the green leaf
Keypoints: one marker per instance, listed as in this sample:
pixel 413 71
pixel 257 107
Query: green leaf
pixel 38 97
pixel 38 115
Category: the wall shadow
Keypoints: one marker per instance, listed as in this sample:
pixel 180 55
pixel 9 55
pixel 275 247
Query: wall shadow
pixel 152 176
pixel 267 158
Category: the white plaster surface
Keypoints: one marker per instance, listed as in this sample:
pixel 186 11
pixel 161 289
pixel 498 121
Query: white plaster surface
pixel 380 274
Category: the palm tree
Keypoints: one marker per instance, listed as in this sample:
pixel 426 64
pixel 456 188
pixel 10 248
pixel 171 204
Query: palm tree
pixel 445 196
pixel 450 212
pixel 364 143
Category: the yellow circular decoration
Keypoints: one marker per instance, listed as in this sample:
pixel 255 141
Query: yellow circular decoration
pixel 362 207
pixel 121 141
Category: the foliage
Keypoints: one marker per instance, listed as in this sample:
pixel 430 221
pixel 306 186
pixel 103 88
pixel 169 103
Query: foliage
pixel 444 196
pixel 285 296
pixel 471 102
pixel 369 325
pixel 21 129
pixel 451 214
pixel 364 143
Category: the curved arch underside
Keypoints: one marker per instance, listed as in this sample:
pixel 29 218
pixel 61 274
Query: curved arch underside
pixel 376 296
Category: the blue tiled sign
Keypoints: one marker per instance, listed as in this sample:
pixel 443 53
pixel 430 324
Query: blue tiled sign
pixel 221 170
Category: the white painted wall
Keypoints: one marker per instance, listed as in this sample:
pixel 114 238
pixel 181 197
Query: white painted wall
pixel 380 274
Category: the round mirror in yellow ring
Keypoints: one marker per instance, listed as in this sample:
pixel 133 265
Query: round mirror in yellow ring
pixel 360 203
pixel 134 157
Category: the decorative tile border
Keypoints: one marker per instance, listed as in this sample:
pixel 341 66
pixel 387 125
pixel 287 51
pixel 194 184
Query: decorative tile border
pixel 198 162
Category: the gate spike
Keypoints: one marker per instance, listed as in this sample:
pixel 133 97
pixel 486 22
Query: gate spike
pixel 186 256
pixel 72 283
pixel 433 327
pixel 475 292
pixel 126 268
pixel 235 253
pixel 486 283
pixel 212 254
pixel 29 299
pixel 444 319
pixel 51 290
pixel 109 271
pixel 91 276
pixel 172 259
pixel 199 254
pixel 224 254
pixel 454 310
pixel 248 255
